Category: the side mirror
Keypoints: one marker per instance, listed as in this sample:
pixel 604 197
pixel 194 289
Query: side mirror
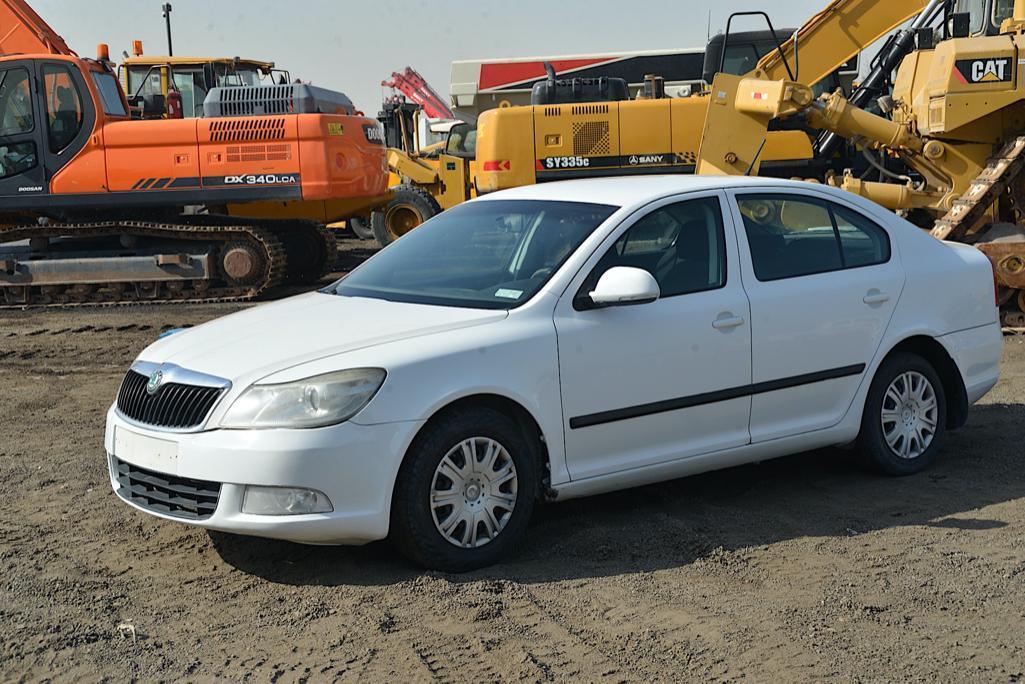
pixel 625 285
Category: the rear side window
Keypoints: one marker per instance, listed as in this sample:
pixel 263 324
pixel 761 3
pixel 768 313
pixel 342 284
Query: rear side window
pixel 792 236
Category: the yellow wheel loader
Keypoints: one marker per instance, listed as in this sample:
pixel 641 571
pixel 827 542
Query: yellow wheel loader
pixel 424 181
pixel 955 122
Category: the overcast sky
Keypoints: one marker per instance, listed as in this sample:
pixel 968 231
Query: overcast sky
pixel 351 46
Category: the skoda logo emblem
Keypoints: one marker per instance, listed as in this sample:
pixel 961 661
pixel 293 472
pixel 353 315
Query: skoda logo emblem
pixel 154 382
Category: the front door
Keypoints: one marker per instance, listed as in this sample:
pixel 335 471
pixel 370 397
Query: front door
pixel 22 171
pixel 651 383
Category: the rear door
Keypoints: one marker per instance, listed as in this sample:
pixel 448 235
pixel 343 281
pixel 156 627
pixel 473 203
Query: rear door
pixel 21 132
pixel 823 280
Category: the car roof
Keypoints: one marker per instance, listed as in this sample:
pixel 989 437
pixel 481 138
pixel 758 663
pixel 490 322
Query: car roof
pixel 628 191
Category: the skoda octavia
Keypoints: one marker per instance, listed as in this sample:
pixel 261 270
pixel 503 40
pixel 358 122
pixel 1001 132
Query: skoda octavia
pixel 557 341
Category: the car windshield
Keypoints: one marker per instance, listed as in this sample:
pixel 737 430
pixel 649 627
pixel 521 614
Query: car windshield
pixel 487 255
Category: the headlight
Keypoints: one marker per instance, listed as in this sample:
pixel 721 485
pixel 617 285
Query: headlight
pixel 315 402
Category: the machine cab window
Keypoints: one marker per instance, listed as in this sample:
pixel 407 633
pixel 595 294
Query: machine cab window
pixel 64 112
pixel 986 15
pixel 16 119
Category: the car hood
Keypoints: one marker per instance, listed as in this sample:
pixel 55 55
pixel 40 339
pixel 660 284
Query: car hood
pixel 254 343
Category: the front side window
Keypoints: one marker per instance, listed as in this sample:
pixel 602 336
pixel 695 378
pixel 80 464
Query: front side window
pixel 977 10
pixel 494 254
pixel 63 107
pixel 110 94
pixel 15 103
pixel 682 245
pixel 144 81
pixel 462 141
pixel 191 85
pixel 741 59
pixel 792 236
pixel 1002 11
pixel 16 119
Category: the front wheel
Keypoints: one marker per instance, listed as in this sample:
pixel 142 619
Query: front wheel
pixel 905 416
pixel 466 492
pixel 410 206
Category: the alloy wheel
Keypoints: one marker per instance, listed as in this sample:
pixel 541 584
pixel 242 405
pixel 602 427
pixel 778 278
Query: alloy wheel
pixel 909 415
pixel 473 492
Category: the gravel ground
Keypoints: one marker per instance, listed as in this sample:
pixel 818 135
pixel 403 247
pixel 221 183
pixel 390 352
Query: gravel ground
pixel 804 568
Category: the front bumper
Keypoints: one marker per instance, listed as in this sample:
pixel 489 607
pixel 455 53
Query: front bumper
pixel 354 465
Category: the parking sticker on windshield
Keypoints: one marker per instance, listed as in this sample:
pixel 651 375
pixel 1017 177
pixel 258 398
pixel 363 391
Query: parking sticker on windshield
pixel 509 294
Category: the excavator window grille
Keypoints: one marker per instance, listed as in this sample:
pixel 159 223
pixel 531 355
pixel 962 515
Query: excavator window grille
pixel 591 138
pixel 247 130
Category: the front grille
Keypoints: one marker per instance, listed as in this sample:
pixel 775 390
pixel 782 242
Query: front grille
pixel 176 496
pixel 173 405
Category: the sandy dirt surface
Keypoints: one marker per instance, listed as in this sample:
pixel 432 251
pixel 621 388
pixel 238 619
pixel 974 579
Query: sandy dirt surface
pixel 804 568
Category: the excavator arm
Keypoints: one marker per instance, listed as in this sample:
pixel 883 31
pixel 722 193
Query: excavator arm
pixel 835 35
pixel 22 31
pixel 742 106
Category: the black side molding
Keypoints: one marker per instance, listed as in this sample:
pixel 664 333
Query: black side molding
pixel 668 405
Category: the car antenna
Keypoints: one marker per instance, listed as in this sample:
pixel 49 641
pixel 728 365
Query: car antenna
pixel 755 160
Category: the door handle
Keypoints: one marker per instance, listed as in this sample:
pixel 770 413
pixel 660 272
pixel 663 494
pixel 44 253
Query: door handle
pixel 875 297
pixel 728 322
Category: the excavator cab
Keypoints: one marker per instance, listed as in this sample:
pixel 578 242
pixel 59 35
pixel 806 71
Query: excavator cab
pixel 986 16
pixel 47 115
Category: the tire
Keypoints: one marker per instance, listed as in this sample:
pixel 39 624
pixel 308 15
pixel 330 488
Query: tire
pixel 410 207
pixel 418 523
pixel 361 228
pixel 894 444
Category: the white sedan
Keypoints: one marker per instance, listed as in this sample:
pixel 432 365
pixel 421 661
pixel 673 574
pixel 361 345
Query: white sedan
pixel 558 341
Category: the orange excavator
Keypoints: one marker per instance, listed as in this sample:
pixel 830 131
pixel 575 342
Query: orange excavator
pixel 98 208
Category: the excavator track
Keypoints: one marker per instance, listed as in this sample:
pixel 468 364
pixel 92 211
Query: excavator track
pixel 1000 173
pixel 254 249
pixel 1003 173
pixel 312 248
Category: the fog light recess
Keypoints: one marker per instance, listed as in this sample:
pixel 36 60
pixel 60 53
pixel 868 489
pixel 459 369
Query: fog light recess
pixel 285 501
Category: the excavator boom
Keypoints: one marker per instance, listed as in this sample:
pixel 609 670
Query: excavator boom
pixel 22 31
pixel 835 35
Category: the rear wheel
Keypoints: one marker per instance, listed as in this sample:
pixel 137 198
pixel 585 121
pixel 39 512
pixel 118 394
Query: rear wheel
pixel 361 227
pixel 466 492
pixel 410 207
pixel 905 416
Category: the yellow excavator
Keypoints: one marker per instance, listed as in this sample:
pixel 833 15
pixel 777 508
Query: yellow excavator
pixel 566 136
pixel 590 127
pixel 954 125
